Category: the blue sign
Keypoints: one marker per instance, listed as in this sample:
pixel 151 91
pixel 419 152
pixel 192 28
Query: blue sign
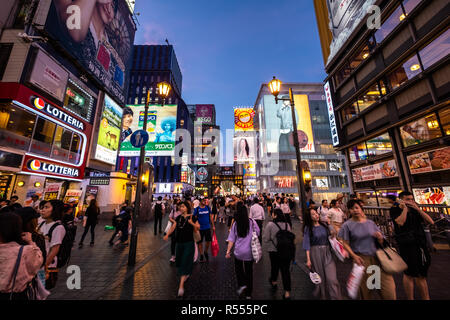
pixel 139 138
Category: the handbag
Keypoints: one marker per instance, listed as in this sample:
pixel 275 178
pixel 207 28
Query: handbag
pixel 214 245
pixel 29 291
pixel 391 262
pixel 338 249
pixel 256 246
pixel 169 225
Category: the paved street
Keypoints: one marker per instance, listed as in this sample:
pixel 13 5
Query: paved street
pixel 106 276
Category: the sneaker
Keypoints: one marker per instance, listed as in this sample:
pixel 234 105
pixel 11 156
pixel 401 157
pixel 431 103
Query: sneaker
pixel 241 290
pixel 172 259
pixel 315 278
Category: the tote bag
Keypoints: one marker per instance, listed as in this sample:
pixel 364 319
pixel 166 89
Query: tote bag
pixel 256 246
pixel 390 260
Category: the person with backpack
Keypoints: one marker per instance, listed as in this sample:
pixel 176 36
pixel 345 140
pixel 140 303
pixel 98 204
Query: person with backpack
pixel 54 233
pixel 158 209
pixel 240 237
pixel 90 220
pixel 203 214
pixel 279 241
pixel 319 256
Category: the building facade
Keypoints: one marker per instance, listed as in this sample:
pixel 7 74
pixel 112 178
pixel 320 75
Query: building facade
pixel 388 90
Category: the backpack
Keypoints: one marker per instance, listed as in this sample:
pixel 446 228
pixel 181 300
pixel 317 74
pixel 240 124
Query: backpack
pixel 285 243
pixel 65 248
pixel 158 208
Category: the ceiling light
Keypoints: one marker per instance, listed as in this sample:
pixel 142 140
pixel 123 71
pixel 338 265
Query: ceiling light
pixel 415 67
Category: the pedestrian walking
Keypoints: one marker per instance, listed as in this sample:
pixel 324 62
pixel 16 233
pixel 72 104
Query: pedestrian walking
pixel 20 258
pixel 257 213
pixel 54 233
pixel 222 214
pixel 90 221
pixel 278 261
pixel 319 257
pixel 214 209
pixel 323 212
pixel 240 237
pixel 203 214
pixel 172 218
pixel 358 236
pixel 158 209
pixel 184 227
pixel 410 236
pixel 336 216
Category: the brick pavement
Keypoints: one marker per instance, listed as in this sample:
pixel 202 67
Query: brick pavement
pixel 106 276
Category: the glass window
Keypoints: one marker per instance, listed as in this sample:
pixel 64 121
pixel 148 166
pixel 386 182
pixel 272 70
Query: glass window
pixel 43 137
pixel 318 165
pixel 78 101
pixel 75 148
pixel 379 145
pixel 406 71
pixel 436 50
pixel 386 28
pixel 350 111
pixel 360 56
pixel 342 74
pixel 16 127
pixel 409 5
pixel 358 152
pixel 370 97
pixel 61 144
pixel 421 130
pixel 444 116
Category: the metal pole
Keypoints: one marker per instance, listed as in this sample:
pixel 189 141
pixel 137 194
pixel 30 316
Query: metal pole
pixel 300 184
pixel 137 203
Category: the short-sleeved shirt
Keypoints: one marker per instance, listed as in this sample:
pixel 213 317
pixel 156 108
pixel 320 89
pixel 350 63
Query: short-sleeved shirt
pixel 319 237
pixel 360 236
pixel 203 216
pixel 184 230
pixel 57 237
pixel 336 215
pixel 412 224
pixel 243 246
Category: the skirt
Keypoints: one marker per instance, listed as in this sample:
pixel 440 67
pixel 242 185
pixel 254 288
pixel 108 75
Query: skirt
pixel 184 258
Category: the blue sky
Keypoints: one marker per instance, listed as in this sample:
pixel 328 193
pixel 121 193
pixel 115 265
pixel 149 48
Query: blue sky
pixel 227 49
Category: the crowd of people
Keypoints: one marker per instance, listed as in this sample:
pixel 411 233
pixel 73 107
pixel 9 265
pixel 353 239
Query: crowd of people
pixel 35 241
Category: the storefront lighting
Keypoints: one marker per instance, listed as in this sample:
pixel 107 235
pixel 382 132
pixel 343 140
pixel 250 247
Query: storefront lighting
pixel 402 17
pixel 37 184
pixel 21 183
pixel 365 56
pixel 433 124
pixel 415 67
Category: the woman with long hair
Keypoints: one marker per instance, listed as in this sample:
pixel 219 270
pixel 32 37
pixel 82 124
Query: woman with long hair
pixel 172 218
pixel 184 226
pixel 277 263
pixel 244 149
pixel 241 238
pixel 358 235
pixel 319 256
pixel 91 220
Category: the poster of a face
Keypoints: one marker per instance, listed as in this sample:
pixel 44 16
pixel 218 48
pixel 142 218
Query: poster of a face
pixel 279 126
pixel 161 127
pixel 244 149
pixel 243 119
pixel 102 43
pixel 109 132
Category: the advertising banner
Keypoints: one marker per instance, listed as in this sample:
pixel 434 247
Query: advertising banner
pixel 420 131
pixel 285 182
pixel 435 160
pixel 51 191
pixel 102 43
pixel 161 126
pixel 279 127
pixel 243 119
pixel 432 195
pixel 331 116
pixel 321 183
pixel 109 132
pixel 91 193
pixel 49 76
pixel 377 171
pixel 204 113
pixel 244 149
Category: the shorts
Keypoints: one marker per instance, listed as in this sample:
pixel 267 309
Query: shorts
pixel 205 234
pixel 418 259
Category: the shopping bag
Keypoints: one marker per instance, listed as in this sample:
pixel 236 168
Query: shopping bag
pixel 169 225
pixel 391 262
pixel 354 280
pixel 338 249
pixel 214 245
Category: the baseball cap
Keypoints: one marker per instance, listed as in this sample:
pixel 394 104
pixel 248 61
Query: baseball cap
pixel 27 213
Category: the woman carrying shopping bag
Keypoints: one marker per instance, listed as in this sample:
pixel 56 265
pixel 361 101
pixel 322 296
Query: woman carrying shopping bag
pixel 240 236
pixel 185 225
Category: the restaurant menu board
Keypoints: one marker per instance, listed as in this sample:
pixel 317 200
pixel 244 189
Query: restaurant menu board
pixel 434 160
pixel 51 191
pixel 73 196
pixel 376 171
pixel 432 195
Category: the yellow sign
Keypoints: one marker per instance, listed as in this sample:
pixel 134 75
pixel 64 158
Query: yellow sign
pixel 243 119
pixel 304 126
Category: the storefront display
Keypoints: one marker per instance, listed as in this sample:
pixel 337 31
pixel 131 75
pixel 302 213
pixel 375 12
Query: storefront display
pixel 434 160
pixel 377 171
pixel 432 195
pixel 73 196
pixel 52 191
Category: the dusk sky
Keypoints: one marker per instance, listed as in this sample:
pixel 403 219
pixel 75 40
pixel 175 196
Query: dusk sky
pixel 227 49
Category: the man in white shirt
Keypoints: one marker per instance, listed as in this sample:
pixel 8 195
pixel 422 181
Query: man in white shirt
pixel 336 216
pixel 257 214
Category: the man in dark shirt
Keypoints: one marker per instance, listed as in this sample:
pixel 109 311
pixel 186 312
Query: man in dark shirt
pixel 410 237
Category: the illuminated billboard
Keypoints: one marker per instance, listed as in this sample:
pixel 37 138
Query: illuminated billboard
pixel 244 149
pixel 205 113
pixel 279 125
pixel 161 127
pixel 243 119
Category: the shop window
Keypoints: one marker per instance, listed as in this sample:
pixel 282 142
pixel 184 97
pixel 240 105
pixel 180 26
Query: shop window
pixel 16 127
pixel 61 144
pixel 358 152
pixel 370 97
pixel 421 130
pixel 43 137
pixel 318 165
pixel 409 5
pixel 405 72
pixel 386 28
pixel 359 57
pixel 78 101
pixel 436 50
pixel 350 111
pixel 343 73
pixel 379 145
pixel 444 116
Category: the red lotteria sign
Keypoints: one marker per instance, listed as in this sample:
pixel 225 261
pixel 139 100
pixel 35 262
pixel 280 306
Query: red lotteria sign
pixel 38 166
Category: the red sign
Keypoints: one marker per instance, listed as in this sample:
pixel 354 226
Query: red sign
pixel 36 165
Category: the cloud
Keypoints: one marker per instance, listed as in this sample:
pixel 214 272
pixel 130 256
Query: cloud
pixel 154 34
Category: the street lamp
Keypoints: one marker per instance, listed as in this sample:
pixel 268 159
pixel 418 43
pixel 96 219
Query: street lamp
pixel 163 92
pixel 275 88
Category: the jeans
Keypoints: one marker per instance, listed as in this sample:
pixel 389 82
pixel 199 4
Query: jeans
pixel 244 274
pixel 158 219
pixel 278 265
pixel 86 229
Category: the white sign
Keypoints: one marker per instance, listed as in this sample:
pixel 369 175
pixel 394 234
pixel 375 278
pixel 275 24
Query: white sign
pixel 331 116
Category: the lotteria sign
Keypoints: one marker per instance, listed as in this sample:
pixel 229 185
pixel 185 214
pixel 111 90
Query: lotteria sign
pixel 41 105
pixel 49 168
